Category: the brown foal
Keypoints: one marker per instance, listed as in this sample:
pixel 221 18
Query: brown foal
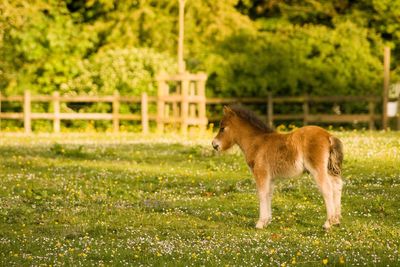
pixel 272 155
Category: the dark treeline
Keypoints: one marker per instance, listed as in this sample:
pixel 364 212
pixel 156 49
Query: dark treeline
pixel 247 47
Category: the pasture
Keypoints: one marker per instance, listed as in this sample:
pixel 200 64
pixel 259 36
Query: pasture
pixel 134 200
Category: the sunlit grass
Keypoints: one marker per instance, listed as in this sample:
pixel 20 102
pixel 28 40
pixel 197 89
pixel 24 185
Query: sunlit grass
pixel 144 200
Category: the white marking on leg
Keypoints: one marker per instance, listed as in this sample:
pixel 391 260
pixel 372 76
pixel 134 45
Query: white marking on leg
pixel 263 210
pixel 326 188
pixel 327 193
pixel 265 195
pixel 269 201
pixel 337 195
pixel 325 184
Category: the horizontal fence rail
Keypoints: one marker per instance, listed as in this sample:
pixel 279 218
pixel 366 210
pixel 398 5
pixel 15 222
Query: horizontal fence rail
pixel 27 115
pixel 370 117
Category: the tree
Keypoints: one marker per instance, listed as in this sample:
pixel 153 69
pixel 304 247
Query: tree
pixel 131 71
pixel 248 47
pixel 290 60
pixel 40 45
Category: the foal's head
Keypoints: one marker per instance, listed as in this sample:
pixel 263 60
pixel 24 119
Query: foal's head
pixel 225 139
pixel 236 122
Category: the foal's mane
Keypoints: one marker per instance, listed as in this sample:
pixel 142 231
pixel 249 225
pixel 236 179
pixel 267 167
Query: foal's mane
pixel 251 118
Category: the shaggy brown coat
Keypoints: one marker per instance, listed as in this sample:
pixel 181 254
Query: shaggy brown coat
pixel 272 155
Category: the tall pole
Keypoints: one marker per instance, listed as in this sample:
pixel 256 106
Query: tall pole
pixel 181 63
pixel 0 110
pixel 386 81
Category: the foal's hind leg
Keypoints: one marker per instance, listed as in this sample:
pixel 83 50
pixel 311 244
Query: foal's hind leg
pixel 326 187
pixel 337 195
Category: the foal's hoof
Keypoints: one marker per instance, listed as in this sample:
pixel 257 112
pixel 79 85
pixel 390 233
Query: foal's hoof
pixel 261 223
pixel 327 226
pixel 335 221
pixel 329 223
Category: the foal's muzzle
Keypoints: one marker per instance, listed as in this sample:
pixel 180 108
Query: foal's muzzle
pixel 215 145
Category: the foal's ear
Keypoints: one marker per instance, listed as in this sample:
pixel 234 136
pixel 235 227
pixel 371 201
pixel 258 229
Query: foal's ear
pixel 228 111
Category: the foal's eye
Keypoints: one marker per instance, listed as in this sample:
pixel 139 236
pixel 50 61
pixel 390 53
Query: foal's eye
pixel 222 129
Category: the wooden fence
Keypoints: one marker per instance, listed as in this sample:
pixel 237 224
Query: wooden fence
pixel 27 115
pixel 370 117
pixel 306 116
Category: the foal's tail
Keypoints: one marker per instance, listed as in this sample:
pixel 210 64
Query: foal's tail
pixel 335 156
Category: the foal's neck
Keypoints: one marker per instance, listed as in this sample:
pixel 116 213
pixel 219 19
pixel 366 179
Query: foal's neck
pixel 245 139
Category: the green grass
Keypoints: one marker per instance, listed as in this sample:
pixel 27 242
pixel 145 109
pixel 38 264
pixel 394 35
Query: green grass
pixel 131 200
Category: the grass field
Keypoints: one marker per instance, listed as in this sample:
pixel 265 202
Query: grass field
pixel 131 200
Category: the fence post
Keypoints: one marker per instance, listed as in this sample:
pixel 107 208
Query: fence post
pixel 115 105
pixel 306 110
pixel 145 115
pixel 175 112
pixel 386 81
pixel 371 108
pixel 201 86
pixel 398 113
pixel 0 111
pixel 270 110
pixel 192 106
pixel 160 103
pixel 185 105
pixel 56 107
pixel 27 112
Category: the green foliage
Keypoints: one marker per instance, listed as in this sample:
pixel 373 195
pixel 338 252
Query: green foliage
pixel 248 47
pixel 40 46
pixel 130 71
pixel 287 60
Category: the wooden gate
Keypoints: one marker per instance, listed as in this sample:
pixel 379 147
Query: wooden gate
pixel 181 101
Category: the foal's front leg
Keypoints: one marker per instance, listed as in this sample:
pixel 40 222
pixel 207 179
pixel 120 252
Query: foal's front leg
pixel 264 191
